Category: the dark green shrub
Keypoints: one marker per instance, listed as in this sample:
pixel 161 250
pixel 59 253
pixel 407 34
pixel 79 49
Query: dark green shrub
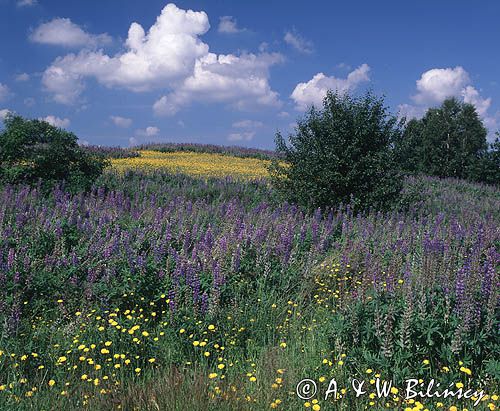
pixel 33 151
pixel 341 154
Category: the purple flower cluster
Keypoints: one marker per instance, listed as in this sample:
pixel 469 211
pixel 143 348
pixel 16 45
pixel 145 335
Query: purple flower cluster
pixel 193 241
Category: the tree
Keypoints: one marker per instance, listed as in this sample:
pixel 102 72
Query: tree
pixel 487 168
pixel 34 150
pixel 340 154
pixel 447 142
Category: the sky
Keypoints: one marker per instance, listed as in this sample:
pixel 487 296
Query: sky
pixel 123 72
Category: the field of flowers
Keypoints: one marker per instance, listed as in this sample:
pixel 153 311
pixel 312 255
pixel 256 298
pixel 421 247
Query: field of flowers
pixel 161 291
pixel 195 164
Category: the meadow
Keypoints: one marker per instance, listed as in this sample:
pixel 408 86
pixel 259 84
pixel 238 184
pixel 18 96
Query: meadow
pixel 183 282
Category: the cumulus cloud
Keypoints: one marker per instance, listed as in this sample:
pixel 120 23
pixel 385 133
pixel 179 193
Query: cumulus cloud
pixel 471 96
pixel 228 25
pixel 23 77
pixel 4 92
pixel 241 81
pixel 247 124
pixel 148 132
pixel 56 121
pixel 437 84
pixel 27 3
pixel 295 40
pixel 170 56
pixel 314 91
pixel 241 136
pixel 63 32
pixel 122 122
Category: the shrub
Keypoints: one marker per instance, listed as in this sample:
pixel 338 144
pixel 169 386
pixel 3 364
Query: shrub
pixel 34 150
pixel 341 154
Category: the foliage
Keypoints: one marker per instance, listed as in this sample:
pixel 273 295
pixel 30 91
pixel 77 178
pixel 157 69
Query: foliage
pixel 153 280
pixel 341 154
pixel 487 168
pixel 214 286
pixel 449 141
pixel 236 151
pixel 33 150
pixel 111 152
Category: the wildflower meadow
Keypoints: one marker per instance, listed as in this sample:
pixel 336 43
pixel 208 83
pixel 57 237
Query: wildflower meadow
pixel 191 289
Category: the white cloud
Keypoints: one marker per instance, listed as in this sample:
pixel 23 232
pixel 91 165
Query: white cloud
pixel 56 121
pixel 314 91
pixel 23 77
pixel 121 121
pixel 410 111
pixel 132 141
pixel 436 85
pixel 283 114
pixel 3 113
pixel 169 57
pixel 27 3
pixel 241 81
pixel 227 24
pixel 471 96
pixel 300 44
pixel 4 92
pixel 158 59
pixel 65 84
pixel 247 124
pixel 241 136
pixel 63 32
pixel 148 132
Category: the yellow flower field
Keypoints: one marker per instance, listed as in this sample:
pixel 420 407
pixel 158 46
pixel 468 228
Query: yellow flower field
pixel 195 164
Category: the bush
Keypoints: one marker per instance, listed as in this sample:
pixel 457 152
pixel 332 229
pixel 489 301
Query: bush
pixel 33 150
pixel 341 154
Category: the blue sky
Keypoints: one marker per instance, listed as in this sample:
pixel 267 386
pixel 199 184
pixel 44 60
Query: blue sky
pixel 234 72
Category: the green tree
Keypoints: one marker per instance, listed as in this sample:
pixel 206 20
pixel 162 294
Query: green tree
pixel 341 153
pixel 447 142
pixel 487 168
pixel 33 151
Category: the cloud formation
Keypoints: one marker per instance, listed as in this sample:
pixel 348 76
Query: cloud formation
pixel 242 81
pixel 295 40
pixel 228 25
pixel 247 124
pixel 23 77
pixel 148 132
pixel 63 32
pixel 26 3
pixel 170 56
pixel 314 91
pixel 122 122
pixel 241 136
pixel 435 85
pixel 3 113
pixel 56 121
